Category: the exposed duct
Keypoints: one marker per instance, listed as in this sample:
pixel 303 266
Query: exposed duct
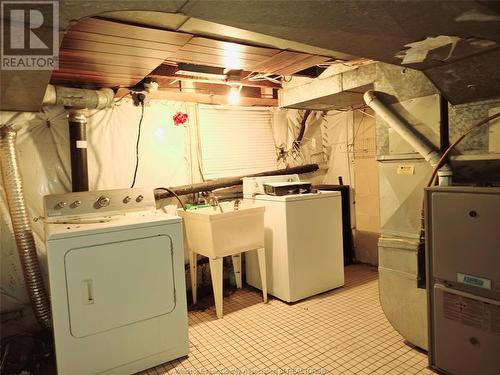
pixel 421 145
pixel 78 98
pixel 77 121
pixel 22 228
pixel 220 183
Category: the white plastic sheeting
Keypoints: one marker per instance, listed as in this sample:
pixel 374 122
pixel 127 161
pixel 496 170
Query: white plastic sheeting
pixel 286 128
pixel 328 141
pixel 339 133
pixel 44 159
pixel 162 151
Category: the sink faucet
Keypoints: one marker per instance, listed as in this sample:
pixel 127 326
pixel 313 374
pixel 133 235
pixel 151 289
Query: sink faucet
pixel 214 202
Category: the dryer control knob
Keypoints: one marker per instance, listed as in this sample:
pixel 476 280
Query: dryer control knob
pixel 76 204
pixel 102 201
pixel 139 198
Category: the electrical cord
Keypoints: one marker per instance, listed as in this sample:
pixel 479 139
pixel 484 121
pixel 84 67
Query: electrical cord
pixel 137 144
pixel 174 194
pixel 122 97
pixel 302 130
pixel 421 279
pixel 454 144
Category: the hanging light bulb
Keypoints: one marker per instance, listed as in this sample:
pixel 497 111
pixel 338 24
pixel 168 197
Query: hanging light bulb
pixel 234 95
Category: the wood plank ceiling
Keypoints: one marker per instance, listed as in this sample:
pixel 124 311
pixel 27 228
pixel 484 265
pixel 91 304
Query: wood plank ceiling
pixel 108 54
pixel 103 53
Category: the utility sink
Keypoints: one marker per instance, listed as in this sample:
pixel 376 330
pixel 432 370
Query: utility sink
pixel 215 233
pixel 223 230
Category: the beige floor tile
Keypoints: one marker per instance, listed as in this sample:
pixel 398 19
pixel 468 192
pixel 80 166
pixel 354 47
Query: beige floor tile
pixel 343 331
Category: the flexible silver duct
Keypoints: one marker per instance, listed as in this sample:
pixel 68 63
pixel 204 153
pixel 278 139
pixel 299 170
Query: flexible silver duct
pixel 22 228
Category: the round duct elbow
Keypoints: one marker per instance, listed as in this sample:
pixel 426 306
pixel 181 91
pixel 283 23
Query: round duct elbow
pixel 78 98
pixel 368 97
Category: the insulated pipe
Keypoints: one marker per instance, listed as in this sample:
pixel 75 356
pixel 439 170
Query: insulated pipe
pixel 22 228
pixel 77 121
pixel 220 183
pixel 408 134
pixel 78 98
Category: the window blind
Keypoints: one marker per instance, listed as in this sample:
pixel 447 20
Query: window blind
pixel 236 141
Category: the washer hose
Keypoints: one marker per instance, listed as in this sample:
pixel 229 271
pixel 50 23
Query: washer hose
pixel 22 228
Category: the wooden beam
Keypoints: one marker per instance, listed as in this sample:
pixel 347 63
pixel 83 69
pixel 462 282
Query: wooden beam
pixel 245 82
pixel 204 98
pixel 166 72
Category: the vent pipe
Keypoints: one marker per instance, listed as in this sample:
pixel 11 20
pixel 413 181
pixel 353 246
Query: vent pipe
pixel 405 130
pixel 77 121
pixel 68 97
pixel 22 229
pixel 78 100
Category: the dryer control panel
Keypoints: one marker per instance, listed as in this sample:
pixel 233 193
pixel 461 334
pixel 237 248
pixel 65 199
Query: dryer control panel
pixel 98 203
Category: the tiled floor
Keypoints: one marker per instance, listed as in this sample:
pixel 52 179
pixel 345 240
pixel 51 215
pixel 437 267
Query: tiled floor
pixel 339 332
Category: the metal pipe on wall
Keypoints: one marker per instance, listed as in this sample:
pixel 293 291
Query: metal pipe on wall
pixel 22 229
pixel 231 181
pixel 77 121
pixel 405 130
pixel 78 98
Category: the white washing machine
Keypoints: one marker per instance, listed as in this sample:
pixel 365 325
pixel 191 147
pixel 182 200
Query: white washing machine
pixel 117 287
pixel 303 240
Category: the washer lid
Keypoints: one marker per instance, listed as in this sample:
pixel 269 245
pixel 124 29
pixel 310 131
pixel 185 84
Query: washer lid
pixel 295 197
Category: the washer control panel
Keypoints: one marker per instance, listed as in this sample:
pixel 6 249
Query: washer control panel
pixel 98 203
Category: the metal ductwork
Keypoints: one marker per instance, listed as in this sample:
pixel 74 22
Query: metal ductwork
pixel 77 121
pixel 78 98
pixel 22 228
pixel 405 130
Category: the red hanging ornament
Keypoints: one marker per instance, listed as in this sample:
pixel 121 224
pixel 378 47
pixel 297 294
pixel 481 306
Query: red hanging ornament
pixel 180 118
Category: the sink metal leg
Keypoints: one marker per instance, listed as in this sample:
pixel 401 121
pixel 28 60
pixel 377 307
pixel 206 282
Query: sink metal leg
pixel 261 255
pixel 237 269
pixel 216 275
pixel 193 274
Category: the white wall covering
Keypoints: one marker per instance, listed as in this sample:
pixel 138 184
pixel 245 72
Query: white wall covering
pixel 163 156
pixel 43 151
pixel 339 132
pixel 168 156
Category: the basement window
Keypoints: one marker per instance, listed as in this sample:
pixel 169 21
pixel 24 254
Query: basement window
pixel 236 141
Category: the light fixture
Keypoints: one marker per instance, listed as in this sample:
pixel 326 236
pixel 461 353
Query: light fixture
pixel 234 95
pixel 232 55
pixel 151 86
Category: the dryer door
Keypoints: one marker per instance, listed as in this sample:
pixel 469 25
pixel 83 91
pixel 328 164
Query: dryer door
pixel 114 284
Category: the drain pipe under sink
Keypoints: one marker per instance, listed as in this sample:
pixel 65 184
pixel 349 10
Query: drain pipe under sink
pixel 405 130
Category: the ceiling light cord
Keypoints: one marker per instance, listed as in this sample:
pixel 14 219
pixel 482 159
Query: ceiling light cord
pixel 137 144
